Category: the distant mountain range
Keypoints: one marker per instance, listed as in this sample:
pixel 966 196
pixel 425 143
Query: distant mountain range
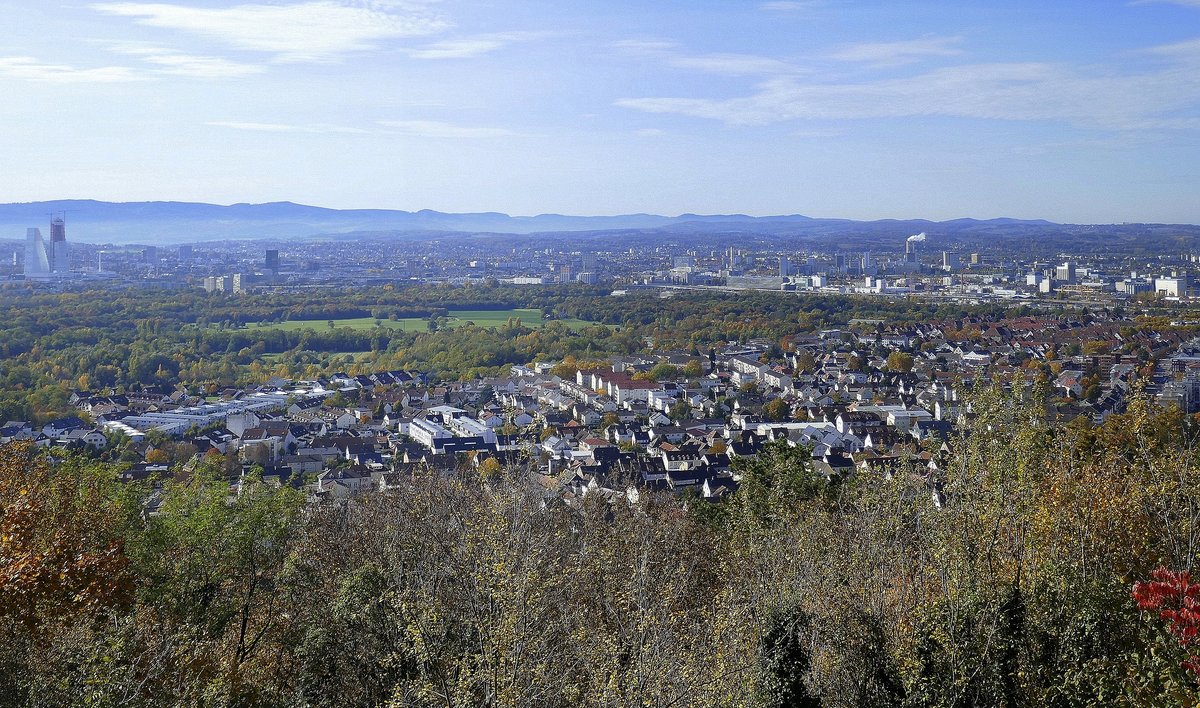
pixel 169 223
pixel 183 222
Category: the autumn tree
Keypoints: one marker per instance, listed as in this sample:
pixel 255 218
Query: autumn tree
pixel 805 362
pixel 490 469
pixel 158 456
pixel 63 564
pixel 777 409
pixel 900 362
pixel 659 372
pixel 680 410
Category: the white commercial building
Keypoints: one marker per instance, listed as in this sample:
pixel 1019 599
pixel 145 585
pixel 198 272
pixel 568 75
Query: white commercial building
pixel 1171 287
pixel 178 421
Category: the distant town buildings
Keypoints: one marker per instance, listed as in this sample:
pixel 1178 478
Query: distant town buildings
pixel 235 283
pixel 938 266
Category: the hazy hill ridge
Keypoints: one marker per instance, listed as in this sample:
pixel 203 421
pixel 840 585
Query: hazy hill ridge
pixel 173 222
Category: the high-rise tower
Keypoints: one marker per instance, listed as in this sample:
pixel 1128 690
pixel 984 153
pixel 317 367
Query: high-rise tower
pixel 59 253
pixel 36 260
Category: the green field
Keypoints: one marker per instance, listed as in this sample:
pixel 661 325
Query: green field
pixel 457 318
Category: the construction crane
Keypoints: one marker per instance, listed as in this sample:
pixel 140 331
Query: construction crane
pixel 64 213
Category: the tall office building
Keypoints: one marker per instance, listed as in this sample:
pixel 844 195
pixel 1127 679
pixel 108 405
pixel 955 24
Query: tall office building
pixel 272 261
pixel 185 253
pixel 60 254
pixel 37 260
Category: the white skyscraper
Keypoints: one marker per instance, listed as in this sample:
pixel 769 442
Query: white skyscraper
pixel 37 261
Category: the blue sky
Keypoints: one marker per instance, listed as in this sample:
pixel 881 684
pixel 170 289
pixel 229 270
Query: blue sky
pixel 1085 111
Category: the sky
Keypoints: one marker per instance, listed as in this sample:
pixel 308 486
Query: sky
pixel 1080 111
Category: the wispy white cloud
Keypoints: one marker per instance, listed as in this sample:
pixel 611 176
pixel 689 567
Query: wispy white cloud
pixel 201 67
pixel 733 64
pixel 318 30
pixel 729 64
pixel 31 69
pixel 169 61
pixel 467 47
pixel 437 129
pixel 456 49
pixel 287 128
pixel 898 53
pixel 650 132
pixel 1187 50
pixel 643 47
pixel 1026 92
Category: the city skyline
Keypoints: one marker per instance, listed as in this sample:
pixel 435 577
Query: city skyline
pixel 1076 112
